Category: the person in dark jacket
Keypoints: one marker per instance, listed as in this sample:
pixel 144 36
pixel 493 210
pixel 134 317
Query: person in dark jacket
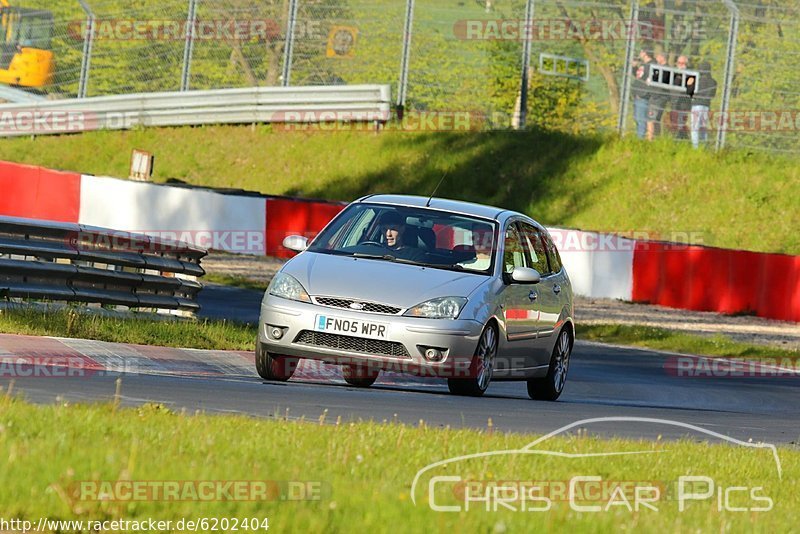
pixel 681 105
pixel 705 91
pixel 658 102
pixel 641 93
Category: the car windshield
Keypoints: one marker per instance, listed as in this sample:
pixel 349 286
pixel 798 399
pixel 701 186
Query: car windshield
pixel 418 236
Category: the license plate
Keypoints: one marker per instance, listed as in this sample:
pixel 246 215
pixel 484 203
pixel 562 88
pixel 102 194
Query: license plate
pixel 351 327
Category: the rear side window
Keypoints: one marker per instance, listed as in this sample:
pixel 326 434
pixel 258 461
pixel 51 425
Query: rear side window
pixel 552 254
pixel 536 249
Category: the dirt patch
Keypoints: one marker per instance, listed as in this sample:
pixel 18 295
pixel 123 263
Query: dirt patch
pixel 747 329
pixel 259 268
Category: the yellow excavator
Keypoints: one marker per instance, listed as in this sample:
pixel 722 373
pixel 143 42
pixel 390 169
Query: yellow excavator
pixel 26 56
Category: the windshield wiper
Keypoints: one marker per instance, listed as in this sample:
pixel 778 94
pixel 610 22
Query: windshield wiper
pixel 395 259
pixel 427 264
pixel 387 257
pixel 332 252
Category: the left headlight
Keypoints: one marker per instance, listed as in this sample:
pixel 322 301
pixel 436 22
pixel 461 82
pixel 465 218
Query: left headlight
pixel 287 286
pixel 441 308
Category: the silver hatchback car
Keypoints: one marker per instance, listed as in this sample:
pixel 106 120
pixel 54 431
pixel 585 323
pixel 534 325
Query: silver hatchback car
pixel 431 287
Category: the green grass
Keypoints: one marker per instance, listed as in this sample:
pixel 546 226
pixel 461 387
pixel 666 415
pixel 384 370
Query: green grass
pixel 205 334
pixel 733 199
pixel 675 341
pixel 365 471
pixel 225 335
pixel 236 281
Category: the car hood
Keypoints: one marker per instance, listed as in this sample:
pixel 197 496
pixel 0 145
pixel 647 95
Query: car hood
pixel 382 281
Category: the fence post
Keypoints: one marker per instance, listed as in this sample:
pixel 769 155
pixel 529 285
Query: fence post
pixel 288 48
pixel 88 41
pixel 402 86
pixel 522 116
pixel 729 68
pixel 191 23
pixel 625 94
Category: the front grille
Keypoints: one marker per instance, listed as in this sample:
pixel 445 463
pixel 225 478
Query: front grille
pixel 371 307
pixel 352 344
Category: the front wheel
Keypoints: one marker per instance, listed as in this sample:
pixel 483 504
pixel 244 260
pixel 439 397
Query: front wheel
pixel 550 387
pixel 274 367
pixel 481 369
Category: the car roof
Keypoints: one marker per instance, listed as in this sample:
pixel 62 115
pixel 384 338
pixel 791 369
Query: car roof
pixel 458 206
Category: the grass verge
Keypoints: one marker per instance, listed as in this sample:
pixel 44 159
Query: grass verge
pixel 363 472
pixel 226 335
pixel 204 334
pixel 235 281
pixel 663 339
pixel 664 189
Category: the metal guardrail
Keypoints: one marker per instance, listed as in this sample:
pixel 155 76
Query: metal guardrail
pixel 189 108
pixel 55 261
pixel 12 94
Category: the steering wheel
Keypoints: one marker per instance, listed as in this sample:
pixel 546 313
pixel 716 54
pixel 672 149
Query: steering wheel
pixel 375 243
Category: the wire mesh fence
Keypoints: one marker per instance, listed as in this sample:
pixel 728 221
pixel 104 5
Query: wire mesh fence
pixel 580 66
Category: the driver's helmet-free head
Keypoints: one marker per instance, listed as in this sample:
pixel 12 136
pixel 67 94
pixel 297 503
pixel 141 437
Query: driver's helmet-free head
pixel 392 218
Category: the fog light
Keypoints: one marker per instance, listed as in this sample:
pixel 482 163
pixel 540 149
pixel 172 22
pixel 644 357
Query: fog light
pixel 433 355
pixel 275 332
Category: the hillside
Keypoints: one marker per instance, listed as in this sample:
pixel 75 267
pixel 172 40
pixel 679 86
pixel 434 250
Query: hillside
pixel 734 199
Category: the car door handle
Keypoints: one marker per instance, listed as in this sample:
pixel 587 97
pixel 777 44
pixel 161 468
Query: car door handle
pixel 533 295
pixel 556 289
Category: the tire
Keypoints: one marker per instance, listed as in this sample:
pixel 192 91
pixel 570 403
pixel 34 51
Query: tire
pixel 549 388
pixel 274 367
pixel 482 367
pixel 360 376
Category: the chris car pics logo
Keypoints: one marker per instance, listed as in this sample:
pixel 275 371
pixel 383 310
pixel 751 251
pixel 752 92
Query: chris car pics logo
pixel 451 488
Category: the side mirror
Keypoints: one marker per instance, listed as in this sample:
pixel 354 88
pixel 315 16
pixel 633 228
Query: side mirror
pixel 297 243
pixel 525 275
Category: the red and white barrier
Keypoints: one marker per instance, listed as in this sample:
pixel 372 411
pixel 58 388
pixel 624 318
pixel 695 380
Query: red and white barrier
pixel 39 193
pixel 288 216
pixel 600 265
pixel 719 280
pixel 201 217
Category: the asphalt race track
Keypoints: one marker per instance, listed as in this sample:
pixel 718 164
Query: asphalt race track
pixel 604 381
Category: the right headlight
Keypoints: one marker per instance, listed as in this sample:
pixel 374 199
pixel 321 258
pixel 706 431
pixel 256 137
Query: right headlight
pixel 441 308
pixel 286 286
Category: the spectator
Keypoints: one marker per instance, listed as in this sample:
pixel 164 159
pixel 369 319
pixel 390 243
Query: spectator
pixel 681 106
pixel 657 103
pixel 701 102
pixel 641 94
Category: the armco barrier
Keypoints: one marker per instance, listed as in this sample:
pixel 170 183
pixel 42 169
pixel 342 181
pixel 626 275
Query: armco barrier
pixel 357 103
pixel 57 261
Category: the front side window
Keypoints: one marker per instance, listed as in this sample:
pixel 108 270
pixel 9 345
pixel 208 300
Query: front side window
pixel 422 236
pixel 514 252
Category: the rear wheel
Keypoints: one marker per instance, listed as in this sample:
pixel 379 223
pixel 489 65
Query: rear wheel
pixel 359 376
pixel 272 366
pixel 481 369
pixel 550 387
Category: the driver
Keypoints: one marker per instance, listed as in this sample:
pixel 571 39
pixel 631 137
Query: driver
pixel 393 227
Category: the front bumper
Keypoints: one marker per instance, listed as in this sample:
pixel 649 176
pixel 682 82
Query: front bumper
pixel 403 349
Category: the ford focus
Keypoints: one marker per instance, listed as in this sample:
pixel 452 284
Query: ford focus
pixel 425 286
